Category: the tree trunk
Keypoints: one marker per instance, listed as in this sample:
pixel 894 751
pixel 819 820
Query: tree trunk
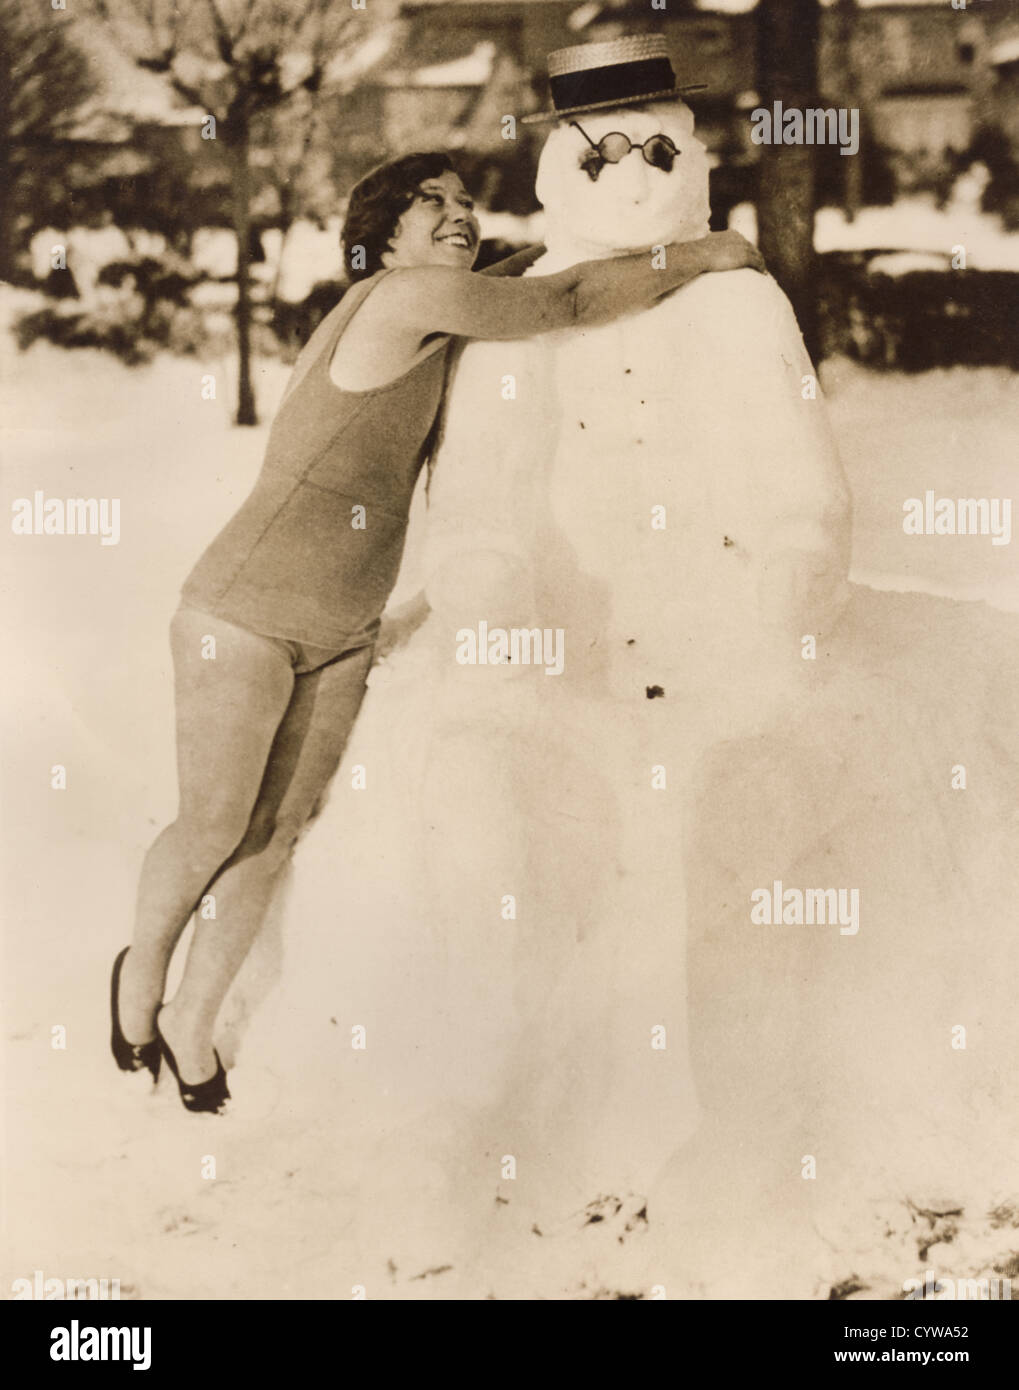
pixel 6 216
pixel 849 94
pixel 240 165
pixel 6 180
pixel 787 34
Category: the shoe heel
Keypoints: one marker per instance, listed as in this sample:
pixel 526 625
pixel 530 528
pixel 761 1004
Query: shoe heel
pixel 205 1097
pixel 127 1055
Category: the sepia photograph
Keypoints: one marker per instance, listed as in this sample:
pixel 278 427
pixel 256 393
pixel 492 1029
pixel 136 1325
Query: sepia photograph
pixel 511 739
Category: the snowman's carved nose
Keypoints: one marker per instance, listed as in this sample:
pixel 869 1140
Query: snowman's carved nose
pixel 637 174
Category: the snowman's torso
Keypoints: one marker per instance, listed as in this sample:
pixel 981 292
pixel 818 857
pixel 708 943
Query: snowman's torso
pixel 641 494
pixel 641 474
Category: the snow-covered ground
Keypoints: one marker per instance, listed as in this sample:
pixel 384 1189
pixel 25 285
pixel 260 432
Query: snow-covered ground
pixel 330 1173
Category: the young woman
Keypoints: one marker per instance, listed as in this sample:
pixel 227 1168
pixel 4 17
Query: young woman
pixel 275 633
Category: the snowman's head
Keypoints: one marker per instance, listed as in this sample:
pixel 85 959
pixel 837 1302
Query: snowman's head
pixel 633 203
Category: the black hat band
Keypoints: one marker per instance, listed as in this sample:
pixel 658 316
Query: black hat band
pixel 620 81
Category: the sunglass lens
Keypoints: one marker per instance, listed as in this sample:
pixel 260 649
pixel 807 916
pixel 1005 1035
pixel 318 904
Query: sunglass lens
pixel 613 147
pixel 660 153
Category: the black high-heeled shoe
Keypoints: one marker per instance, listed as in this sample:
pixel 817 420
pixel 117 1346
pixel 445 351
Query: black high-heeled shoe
pixel 206 1097
pixel 129 1056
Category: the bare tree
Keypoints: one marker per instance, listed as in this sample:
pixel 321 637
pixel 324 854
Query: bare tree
pixel 44 80
pixel 846 19
pixel 240 62
pixel 788 33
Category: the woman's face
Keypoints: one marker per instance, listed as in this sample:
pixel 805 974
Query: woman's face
pixel 439 227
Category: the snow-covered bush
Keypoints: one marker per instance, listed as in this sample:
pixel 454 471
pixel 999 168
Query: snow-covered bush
pixel 133 307
pixel 919 319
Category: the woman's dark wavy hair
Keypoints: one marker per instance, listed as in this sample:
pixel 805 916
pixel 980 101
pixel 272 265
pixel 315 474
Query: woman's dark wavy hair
pixel 379 201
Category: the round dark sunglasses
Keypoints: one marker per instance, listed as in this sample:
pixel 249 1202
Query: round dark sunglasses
pixel 658 151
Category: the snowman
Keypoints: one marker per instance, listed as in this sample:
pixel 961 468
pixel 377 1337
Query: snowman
pixel 662 497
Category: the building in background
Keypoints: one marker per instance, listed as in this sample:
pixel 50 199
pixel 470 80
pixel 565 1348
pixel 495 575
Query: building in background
pixel 1002 97
pixel 936 86
pixel 920 72
pixel 923 74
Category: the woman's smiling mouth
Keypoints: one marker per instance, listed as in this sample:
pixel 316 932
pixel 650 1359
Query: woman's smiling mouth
pixel 461 239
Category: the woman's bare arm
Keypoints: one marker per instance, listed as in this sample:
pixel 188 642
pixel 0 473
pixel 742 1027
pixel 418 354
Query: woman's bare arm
pixel 439 299
pixel 607 289
pixel 515 264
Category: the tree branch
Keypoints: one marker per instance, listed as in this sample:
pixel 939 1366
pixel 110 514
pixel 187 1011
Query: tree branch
pixel 190 94
pixel 224 39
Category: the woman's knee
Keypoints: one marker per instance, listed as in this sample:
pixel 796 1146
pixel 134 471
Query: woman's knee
pixel 271 839
pixel 209 835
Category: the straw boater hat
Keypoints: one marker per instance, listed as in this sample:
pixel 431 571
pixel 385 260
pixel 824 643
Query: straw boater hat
pixel 618 72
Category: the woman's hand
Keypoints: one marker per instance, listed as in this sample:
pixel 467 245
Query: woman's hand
pixel 627 284
pixel 399 625
pixel 729 251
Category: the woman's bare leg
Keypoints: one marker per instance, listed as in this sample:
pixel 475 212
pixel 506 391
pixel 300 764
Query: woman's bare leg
pixel 304 756
pixel 228 711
